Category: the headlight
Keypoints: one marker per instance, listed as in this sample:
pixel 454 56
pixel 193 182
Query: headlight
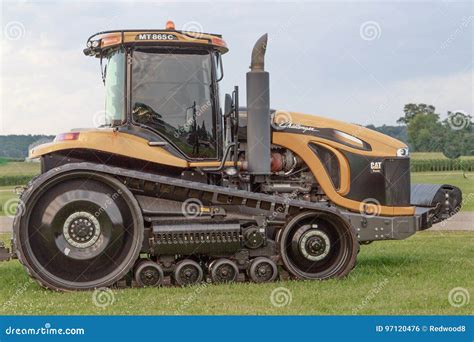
pixel 403 152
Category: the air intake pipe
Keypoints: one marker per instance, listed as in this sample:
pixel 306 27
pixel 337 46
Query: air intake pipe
pixel 258 112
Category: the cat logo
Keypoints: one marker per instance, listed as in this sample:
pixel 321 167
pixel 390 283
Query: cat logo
pixel 376 167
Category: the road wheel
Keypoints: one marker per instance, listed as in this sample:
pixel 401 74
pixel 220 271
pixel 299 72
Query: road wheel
pixel 223 271
pixel 188 272
pixel 148 273
pixel 262 270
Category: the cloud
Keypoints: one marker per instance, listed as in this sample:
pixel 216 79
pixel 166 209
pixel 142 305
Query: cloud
pixel 48 86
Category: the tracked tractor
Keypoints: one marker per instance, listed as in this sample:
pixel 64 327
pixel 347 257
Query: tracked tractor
pixel 179 188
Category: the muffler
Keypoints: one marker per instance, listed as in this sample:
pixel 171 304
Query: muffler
pixel 258 112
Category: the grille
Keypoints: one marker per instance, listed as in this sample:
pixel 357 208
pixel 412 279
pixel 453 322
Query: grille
pixel 397 181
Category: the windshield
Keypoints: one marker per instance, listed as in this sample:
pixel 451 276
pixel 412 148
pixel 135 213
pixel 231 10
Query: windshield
pixel 115 87
pixel 172 94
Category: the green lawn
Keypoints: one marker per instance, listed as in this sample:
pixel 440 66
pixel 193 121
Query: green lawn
pixel 464 181
pixel 413 276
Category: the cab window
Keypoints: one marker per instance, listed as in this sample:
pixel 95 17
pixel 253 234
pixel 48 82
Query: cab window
pixel 172 94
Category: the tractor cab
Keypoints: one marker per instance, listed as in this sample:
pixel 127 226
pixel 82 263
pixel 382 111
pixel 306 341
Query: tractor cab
pixel 163 85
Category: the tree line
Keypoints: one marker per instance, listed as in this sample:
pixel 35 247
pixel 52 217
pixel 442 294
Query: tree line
pixel 452 136
pixel 17 146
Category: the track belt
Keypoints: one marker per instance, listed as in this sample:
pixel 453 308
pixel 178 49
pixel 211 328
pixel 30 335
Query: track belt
pixel 174 188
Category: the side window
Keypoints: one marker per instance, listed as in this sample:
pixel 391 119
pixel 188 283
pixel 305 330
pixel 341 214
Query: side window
pixel 115 87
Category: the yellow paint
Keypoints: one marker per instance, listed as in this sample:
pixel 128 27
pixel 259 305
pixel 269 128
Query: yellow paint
pixel 119 143
pixel 381 144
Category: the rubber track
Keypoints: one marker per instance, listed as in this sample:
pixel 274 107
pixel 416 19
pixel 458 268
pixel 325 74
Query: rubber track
pixel 162 185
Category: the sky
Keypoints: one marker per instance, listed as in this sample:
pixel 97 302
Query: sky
pixel 359 62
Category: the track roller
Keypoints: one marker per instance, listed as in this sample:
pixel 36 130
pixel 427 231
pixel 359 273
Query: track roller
pixel 262 270
pixel 148 273
pixel 223 271
pixel 187 272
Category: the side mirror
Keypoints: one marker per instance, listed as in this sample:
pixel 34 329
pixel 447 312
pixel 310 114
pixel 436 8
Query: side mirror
pixel 219 67
pixel 228 105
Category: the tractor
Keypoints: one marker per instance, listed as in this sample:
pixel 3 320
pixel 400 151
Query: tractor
pixel 177 188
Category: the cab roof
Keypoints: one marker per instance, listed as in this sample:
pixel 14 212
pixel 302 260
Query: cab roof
pixel 100 42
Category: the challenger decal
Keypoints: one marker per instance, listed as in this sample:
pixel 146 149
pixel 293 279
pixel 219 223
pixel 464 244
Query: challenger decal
pixel 326 133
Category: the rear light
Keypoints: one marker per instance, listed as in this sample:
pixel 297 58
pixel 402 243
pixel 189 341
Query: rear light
pixel 67 136
pixel 218 41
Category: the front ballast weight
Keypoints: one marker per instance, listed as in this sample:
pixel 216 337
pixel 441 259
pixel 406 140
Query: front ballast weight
pixel 128 241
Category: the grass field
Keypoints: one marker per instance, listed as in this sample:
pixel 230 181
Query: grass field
pixel 19 169
pixel 15 169
pixel 6 193
pixel 413 276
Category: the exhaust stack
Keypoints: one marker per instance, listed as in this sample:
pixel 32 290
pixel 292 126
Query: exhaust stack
pixel 258 112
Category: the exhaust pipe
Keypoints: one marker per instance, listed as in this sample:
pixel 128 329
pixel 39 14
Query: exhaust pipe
pixel 258 112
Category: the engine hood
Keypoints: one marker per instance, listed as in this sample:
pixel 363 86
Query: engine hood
pixel 350 137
